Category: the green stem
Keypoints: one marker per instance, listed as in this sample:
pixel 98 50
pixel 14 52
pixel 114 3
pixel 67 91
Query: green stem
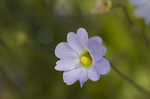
pixel 133 83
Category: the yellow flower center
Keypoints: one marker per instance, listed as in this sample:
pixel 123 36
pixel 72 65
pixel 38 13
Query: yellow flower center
pixel 86 59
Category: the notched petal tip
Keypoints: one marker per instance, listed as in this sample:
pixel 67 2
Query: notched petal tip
pixel 70 35
pixel 57 68
pixel 83 77
pixel 83 35
pixel 97 39
pixel 75 42
pixel 81 84
pixel 81 30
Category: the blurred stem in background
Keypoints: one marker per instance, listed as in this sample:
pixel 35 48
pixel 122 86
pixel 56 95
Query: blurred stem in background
pixel 133 83
pixel 125 10
pixel 132 24
pixel 144 39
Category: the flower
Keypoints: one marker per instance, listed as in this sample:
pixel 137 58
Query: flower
pixel 81 58
pixel 142 9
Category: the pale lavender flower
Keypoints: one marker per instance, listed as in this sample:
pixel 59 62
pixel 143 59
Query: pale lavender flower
pixel 142 9
pixel 81 58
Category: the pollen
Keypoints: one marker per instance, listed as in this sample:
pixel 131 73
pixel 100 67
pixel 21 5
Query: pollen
pixel 86 59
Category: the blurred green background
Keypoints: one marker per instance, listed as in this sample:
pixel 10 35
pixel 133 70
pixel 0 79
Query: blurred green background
pixel 31 29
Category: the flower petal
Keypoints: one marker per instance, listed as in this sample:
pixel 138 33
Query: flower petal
pixel 72 76
pixel 83 76
pixel 93 75
pixel 83 35
pixel 148 20
pixel 66 65
pixel 64 51
pixel 74 42
pixel 96 49
pixel 138 2
pixel 103 66
pixel 142 11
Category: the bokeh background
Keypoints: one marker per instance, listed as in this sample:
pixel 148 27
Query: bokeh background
pixel 31 29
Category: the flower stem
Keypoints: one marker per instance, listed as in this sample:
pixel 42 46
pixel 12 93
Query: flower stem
pixel 132 24
pixel 133 83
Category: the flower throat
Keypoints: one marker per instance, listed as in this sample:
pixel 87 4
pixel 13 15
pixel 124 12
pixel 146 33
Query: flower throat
pixel 86 59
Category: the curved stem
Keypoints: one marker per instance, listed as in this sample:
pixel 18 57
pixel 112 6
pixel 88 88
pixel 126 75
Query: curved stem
pixel 133 83
pixel 125 11
pixel 131 23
